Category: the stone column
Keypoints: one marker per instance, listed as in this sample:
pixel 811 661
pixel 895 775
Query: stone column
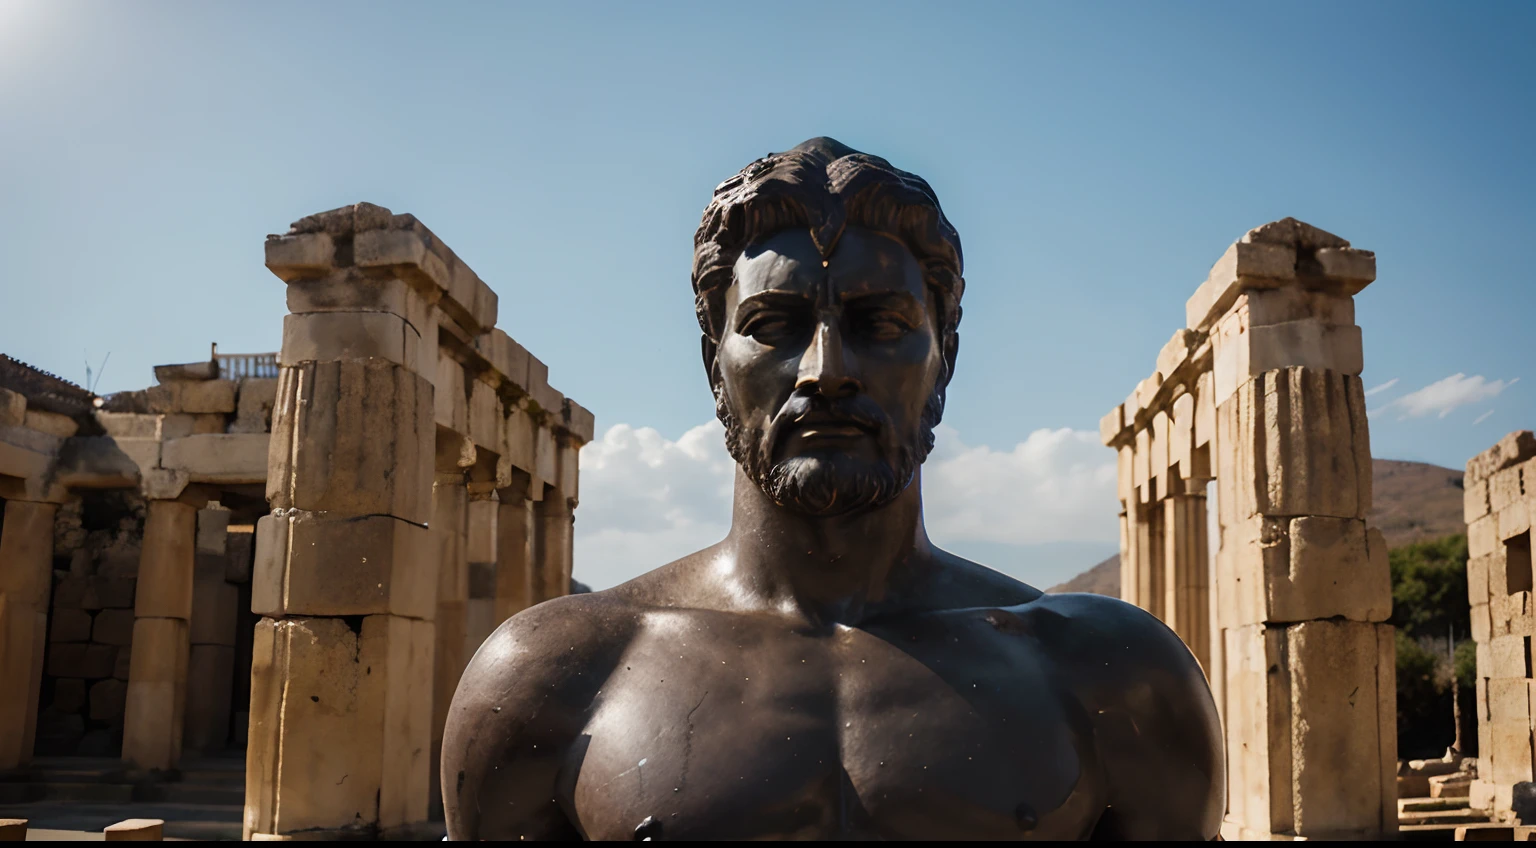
pixel 555 518
pixel 480 606
pixel 450 516
pixel 514 549
pixel 1303 584
pixel 211 660
pixel 345 577
pixel 26 580
pixel 162 609
pixel 1186 560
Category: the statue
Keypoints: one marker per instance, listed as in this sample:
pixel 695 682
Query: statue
pixel 825 671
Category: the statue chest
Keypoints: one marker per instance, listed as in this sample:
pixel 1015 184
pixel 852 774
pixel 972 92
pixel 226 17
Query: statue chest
pixel 747 732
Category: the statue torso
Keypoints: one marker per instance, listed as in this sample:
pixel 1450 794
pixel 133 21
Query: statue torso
pixel 937 725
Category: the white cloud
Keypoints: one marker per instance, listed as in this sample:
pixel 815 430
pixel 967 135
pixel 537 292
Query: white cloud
pixel 647 500
pixel 1381 388
pixel 1484 417
pixel 1446 395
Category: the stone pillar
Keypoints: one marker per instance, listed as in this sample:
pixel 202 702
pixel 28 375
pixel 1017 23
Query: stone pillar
pixel 480 606
pixel 211 661
pixel 162 610
pixel 1261 391
pixel 1303 584
pixel 450 517
pixel 1500 487
pixel 555 518
pixel 514 549
pixel 1186 560
pixel 345 578
pixel 26 580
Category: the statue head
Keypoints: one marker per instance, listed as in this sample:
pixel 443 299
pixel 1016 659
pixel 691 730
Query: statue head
pixel 828 285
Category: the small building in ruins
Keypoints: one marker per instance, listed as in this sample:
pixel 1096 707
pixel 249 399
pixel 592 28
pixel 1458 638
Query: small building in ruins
pixel 291 555
pixel 1500 502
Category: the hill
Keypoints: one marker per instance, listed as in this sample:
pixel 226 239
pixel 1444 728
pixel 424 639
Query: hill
pixel 1410 502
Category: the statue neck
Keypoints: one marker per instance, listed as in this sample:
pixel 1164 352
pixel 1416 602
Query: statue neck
pixel 829 570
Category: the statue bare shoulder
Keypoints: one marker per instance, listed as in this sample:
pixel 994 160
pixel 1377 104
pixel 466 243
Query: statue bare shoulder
pixel 524 699
pixel 1157 733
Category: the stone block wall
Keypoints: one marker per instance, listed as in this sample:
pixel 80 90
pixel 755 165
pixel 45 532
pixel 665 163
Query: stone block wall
pixel 1500 487
pixel 422 478
pixel 1261 393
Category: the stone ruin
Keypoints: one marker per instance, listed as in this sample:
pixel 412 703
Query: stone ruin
pixel 1500 489
pixel 1260 392
pixel 325 535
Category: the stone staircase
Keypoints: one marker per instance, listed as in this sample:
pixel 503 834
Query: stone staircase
pixel 204 800
pixel 1435 819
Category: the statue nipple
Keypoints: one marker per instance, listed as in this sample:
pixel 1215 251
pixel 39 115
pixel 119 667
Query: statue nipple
pixel 648 830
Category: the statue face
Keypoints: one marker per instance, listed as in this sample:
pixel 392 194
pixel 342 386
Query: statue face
pixel 825 369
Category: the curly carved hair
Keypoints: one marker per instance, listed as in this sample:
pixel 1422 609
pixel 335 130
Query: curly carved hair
pixel 825 186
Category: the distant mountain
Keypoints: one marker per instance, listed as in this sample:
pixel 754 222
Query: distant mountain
pixel 1410 502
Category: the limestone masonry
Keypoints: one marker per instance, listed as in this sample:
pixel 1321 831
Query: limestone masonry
pixel 325 535
pixel 1261 392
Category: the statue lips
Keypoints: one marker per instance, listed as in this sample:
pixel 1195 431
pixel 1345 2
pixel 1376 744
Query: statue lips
pixel 817 427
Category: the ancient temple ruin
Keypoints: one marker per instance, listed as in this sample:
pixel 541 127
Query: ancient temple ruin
pixel 1500 501
pixel 291 553
pixel 1260 392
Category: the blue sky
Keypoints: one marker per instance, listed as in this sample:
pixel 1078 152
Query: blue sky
pixel 1095 157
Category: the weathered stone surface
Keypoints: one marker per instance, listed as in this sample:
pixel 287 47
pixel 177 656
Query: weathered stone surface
pixel 451 394
pixel 212 530
pixel 485 416
pixel 1509 699
pixel 157 681
pixel 1514 448
pixel 129 425
pixel 23 636
pixel 26 552
pixel 254 402
pixel 328 336
pixel 353 438
pixel 177 424
pixel 1482 627
pixel 317 564
pixel 509 358
pixel 210 671
pixel 163 483
pixel 70 625
pixel 1506 487
pixel 166 564
pixel 300 256
pixel 206 396
pixel 514 555
pixel 215 611
pixel 69 695
pixel 113 627
pixel 13 408
pixel 1475 499
pixel 1315 445
pixel 1509 656
pixel 230 458
pixel 351 710
pixel 51 423
pixel 1244 265
pixel 1335 732
pixel 84 661
pixel 1483 536
pixel 107 699
pixel 208 370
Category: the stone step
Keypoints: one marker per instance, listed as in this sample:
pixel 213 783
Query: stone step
pixel 190 793
pixel 182 821
pixel 1452 817
pixel 1421 805
pixel 114 793
pixel 1428 832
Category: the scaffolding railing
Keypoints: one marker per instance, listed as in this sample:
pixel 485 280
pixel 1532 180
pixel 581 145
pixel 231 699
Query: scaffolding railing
pixel 240 366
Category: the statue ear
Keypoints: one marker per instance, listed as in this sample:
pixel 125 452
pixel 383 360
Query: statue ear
pixel 951 351
pixel 709 348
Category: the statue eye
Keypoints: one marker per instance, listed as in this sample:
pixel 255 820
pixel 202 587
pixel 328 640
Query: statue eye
pixel 770 329
pixel 885 326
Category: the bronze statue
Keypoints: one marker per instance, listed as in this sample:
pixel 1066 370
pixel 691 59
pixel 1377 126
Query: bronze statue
pixel 825 672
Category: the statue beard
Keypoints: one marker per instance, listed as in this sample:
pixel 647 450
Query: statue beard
pixel 827 484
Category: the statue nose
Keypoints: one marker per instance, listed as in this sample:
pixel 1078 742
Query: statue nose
pixel 823 368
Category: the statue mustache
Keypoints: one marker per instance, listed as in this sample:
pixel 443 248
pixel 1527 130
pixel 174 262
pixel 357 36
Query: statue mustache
pixel 857 410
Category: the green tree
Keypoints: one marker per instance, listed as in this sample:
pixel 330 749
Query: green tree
pixel 1429 605
pixel 1429 588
